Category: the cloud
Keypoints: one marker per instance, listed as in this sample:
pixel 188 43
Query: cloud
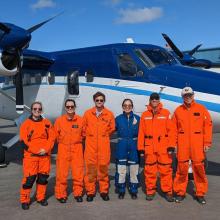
pixel 139 15
pixel 43 4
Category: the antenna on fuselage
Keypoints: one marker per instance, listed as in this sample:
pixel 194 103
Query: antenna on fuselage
pixel 129 40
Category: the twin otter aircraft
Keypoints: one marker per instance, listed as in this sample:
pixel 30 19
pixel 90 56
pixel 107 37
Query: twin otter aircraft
pixel 122 70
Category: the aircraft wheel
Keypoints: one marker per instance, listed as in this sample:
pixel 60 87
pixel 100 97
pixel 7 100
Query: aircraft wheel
pixel 2 157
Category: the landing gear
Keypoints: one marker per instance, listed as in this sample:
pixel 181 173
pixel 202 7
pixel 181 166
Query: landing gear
pixel 3 163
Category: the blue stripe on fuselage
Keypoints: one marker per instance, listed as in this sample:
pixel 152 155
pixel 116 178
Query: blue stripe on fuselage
pixel 209 105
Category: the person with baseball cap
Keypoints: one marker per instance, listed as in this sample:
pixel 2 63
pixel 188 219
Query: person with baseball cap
pixel 193 125
pixel 156 142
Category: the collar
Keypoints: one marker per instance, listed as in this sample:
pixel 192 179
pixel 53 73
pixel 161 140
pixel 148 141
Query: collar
pixel 70 119
pixel 40 118
pixel 131 114
pixel 192 104
pixel 94 110
pixel 159 108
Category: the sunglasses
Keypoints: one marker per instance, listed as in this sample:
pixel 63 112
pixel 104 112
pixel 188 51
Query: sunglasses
pixel 99 100
pixel 39 109
pixel 70 107
pixel 188 95
pixel 154 99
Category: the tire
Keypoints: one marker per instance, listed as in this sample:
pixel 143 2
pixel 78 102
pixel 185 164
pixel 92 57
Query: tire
pixel 2 154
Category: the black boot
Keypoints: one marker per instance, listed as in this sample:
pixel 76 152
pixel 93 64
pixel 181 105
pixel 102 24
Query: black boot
pixel 105 196
pixel 79 198
pixel 201 200
pixel 90 198
pixel 43 202
pixel 25 206
pixel 169 197
pixel 62 200
pixel 121 195
pixel 150 197
pixel 134 196
pixel 179 198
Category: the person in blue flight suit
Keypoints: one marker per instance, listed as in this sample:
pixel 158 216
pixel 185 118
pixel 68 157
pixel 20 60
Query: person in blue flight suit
pixel 126 150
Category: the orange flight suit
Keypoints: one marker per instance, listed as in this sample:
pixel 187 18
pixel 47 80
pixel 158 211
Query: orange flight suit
pixel 156 134
pixel 97 131
pixel 70 155
pixel 193 132
pixel 36 135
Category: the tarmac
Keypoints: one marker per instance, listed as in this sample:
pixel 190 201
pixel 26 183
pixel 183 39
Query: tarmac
pixel 159 208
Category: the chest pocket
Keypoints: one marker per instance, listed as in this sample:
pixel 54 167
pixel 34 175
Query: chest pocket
pixel 197 121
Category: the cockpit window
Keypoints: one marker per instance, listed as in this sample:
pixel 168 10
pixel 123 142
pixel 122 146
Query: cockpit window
pixel 127 65
pixel 154 57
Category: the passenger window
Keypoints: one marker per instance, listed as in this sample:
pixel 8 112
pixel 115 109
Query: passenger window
pixel 89 75
pixel 73 83
pixel 38 78
pixel 127 65
pixel 50 78
pixel 7 80
pixel 27 79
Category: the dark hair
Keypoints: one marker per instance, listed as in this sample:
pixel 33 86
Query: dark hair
pixel 97 95
pixel 37 102
pixel 125 100
pixel 70 100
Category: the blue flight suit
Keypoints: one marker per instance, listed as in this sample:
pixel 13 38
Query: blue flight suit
pixel 126 152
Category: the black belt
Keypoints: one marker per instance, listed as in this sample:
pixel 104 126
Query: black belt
pixel 148 136
pixel 37 155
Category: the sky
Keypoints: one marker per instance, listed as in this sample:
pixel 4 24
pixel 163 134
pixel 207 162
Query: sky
pixel 97 22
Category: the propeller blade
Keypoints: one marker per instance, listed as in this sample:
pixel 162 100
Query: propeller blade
pixel 194 49
pixel 35 27
pixel 19 88
pixel 4 28
pixel 173 46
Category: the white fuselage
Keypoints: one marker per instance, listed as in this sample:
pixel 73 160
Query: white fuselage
pixel 53 97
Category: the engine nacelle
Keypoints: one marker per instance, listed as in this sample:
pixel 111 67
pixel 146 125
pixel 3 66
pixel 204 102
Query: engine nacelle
pixel 8 63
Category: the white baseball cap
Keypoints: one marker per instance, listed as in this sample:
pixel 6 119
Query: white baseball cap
pixel 187 90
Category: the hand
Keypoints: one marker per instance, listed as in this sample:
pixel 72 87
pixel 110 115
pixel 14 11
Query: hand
pixel 206 148
pixel 141 153
pixel 42 152
pixel 171 150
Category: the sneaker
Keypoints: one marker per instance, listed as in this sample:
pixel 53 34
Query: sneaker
pixel 62 200
pixel 90 198
pixel 179 199
pixel 105 196
pixel 201 200
pixel 25 206
pixel 121 195
pixel 79 198
pixel 133 196
pixel 150 197
pixel 43 202
pixel 169 197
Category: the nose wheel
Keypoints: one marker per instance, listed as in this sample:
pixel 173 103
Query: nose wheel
pixel 3 163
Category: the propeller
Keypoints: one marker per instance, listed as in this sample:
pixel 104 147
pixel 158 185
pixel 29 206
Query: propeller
pixel 18 52
pixel 194 49
pixel 35 27
pixel 19 86
pixel 5 28
pixel 173 46
pixel 187 58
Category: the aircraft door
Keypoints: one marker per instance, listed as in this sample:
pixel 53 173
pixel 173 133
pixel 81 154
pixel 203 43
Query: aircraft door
pixel 73 82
